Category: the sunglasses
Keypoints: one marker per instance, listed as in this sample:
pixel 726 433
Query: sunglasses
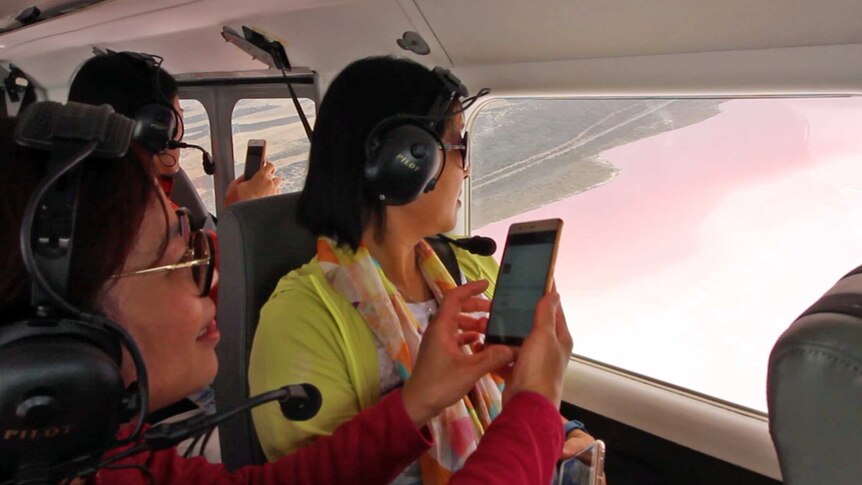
pixel 198 256
pixel 463 148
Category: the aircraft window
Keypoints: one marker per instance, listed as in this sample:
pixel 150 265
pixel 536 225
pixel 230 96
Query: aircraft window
pixel 197 126
pixel 696 230
pixel 276 121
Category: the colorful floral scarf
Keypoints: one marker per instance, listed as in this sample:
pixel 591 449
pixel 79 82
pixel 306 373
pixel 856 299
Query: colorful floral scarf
pixel 358 277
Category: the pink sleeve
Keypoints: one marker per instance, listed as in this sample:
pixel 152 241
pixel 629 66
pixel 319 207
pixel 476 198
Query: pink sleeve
pixel 373 448
pixel 522 445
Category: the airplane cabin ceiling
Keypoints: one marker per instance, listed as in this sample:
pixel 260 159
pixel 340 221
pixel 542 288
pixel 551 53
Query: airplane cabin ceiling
pixel 10 9
pixel 327 34
pixel 505 32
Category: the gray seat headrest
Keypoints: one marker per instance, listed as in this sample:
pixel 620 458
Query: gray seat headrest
pixel 185 195
pixel 814 390
pixel 259 242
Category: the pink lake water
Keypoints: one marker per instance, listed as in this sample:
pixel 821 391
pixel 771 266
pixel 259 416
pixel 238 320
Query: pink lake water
pixel 689 264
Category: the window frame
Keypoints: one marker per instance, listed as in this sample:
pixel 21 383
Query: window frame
pixel 731 432
pixel 219 97
pixel 716 428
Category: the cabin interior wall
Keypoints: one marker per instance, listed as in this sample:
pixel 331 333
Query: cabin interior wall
pixel 801 70
pixel 604 49
pixel 822 69
pixel 725 432
pixel 324 38
pixel 511 31
pixel 60 94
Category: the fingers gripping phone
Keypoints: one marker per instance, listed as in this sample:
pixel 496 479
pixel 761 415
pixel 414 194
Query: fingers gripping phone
pixel 254 156
pixel 597 464
pixel 526 273
pixel 575 469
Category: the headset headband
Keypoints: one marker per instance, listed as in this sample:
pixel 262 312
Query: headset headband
pixel 452 89
pixel 71 133
pixel 159 122
pixel 153 63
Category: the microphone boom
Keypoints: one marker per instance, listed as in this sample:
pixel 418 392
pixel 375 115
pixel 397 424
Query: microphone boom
pixel 480 245
pixel 299 402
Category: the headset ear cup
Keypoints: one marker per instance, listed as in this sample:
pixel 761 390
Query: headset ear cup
pixel 371 168
pixel 155 125
pixel 61 394
pixel 403 162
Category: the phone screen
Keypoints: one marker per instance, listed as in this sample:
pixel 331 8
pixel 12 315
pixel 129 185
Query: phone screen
pixel 253 159
pixel 520 285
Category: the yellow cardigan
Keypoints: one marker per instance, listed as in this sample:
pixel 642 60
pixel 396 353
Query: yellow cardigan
pixel 308 332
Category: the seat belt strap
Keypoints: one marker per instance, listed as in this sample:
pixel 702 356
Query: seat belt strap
pixel 447 257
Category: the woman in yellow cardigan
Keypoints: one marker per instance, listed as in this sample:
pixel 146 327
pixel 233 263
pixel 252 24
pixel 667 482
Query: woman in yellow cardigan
pixel 386 170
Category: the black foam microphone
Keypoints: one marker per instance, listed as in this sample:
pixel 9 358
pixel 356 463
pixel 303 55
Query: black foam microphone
pixel 481 245
pixel 209 166
pixel 302 402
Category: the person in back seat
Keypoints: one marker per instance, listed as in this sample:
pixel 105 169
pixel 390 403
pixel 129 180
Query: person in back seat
pixel 130 81
pixel 351 320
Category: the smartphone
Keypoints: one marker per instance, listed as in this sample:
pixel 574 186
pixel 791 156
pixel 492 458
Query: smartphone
pixel 254 157
pixel 573 469
pixel 526 273
pixel 597 464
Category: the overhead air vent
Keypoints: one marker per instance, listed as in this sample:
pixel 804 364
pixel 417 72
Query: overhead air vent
pixel 15 14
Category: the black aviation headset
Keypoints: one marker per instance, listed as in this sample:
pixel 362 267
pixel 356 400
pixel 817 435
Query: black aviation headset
pixel 62 397
pixel 158 124
pixel 403 156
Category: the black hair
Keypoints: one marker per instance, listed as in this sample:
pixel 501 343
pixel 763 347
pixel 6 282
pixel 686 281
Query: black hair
pixel 335 201
pixel 126 81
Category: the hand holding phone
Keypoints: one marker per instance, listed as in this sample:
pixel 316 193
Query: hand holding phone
pixel 574 469
pixel 526 273
pixel 597 464
pixel 254 157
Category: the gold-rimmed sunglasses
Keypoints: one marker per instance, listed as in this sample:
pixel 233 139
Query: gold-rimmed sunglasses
pixel 199 256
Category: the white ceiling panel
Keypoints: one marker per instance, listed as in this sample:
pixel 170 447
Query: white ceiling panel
pixel 322 35
pixel 504 32
pixel 327 34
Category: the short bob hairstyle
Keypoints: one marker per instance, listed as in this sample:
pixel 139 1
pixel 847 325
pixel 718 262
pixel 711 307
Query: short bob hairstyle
pixel 123 80
pixel 336 201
